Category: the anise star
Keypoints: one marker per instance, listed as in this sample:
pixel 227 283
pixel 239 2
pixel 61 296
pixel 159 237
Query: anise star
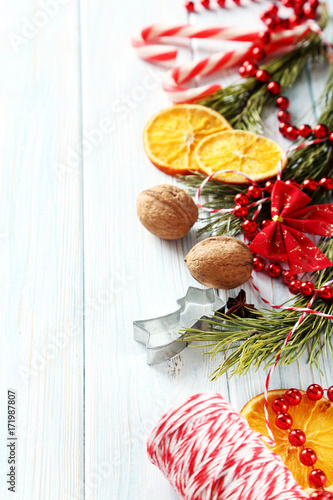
pixel 238 307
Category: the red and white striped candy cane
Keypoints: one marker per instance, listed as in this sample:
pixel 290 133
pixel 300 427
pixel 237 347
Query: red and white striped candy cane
pixel 145 44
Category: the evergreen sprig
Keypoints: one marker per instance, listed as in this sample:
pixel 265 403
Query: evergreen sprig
pixel 246 342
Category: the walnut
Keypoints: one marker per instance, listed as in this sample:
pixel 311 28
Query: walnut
pixel 167 211
pixel 221 262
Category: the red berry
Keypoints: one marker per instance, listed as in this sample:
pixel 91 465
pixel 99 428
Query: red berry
pixel 190 6
pixel 241 199
pixel 308 457
pixel 326 183
pixel 258 53
pixel 269 186
pixel 284 421
pixel 314 392
pixel 272 9
pixel 314 3
pixel 274 88
pixel 251 236
pixel 291 182
pixel 280 405
pixel 274 270
pixel 282 102
pixel 264 36
pixel 317 478
pixel 322 495
pixel 310 185
pixel 258 264
pixel 254 192
pixel 330 393
pixel 293 396
pixel 263 16
pixel 263 76
pixel 270 23
pixel 321 131
pixel 237 2
pixel 283 116
pixel 246 63
pixel 265 223
pixel 297 437
pixel 298 9
pixel 325 292
pixel 285 24
pixel 287 3
pixel 287 277
pixel 292 133
pixel 221 3
pixel 240 211
pixel 205 3
pixel 249 226
pixel 242 71
pixel 309 12
pixel 283 128
pixel 294 286
pixel 294 20
pixel 304 130
pixel 331 137
pixel 307 288
pixel 251 69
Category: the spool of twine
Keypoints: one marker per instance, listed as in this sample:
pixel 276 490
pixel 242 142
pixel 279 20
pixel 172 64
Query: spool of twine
pixel 208 451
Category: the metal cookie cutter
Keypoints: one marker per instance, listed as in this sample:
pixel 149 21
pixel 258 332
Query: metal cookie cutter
pixel 160 335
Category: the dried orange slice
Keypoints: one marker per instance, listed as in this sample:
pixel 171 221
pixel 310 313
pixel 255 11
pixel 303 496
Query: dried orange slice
pixel 314 418
pixel 238 150
pixel 171 136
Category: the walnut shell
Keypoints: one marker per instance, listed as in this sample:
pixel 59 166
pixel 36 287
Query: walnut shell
pixel 167 211
pixel 221 262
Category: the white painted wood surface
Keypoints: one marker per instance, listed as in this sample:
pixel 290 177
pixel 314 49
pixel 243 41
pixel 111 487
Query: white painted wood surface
pixel 77 267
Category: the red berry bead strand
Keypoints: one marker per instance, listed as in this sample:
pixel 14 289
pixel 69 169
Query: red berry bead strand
pixel 297 437
pixel 250 69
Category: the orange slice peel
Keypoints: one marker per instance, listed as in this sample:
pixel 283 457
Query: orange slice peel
pixel 172 135
pixel 238 150
pixel 314 418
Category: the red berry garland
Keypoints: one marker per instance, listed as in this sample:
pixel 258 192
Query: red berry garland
pixel 301 13
pixel 297 437
pixel 273 23
pixel 251 229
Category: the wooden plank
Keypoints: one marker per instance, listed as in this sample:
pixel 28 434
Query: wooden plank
pixel 150 274
pixel 130 274
pixel 41 249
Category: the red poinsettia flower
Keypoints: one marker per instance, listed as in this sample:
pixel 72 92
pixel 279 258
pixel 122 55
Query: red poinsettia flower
pixel 283 240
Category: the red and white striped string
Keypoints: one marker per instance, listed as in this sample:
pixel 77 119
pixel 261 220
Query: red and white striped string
pixel 145 45
pixel 317 29
pixel 305 311
pixel 295 148
pixel 257 204
pixel 208 451
pixel 290 308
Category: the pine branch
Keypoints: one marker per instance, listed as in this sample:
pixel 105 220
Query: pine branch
pixel 246 342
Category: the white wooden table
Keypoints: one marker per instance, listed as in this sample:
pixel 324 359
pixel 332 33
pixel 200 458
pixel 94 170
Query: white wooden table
pixel 77 267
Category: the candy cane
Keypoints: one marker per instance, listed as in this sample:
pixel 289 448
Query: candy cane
pixel 247 39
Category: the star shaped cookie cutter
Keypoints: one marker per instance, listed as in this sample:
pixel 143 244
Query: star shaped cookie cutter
pixel 160 335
